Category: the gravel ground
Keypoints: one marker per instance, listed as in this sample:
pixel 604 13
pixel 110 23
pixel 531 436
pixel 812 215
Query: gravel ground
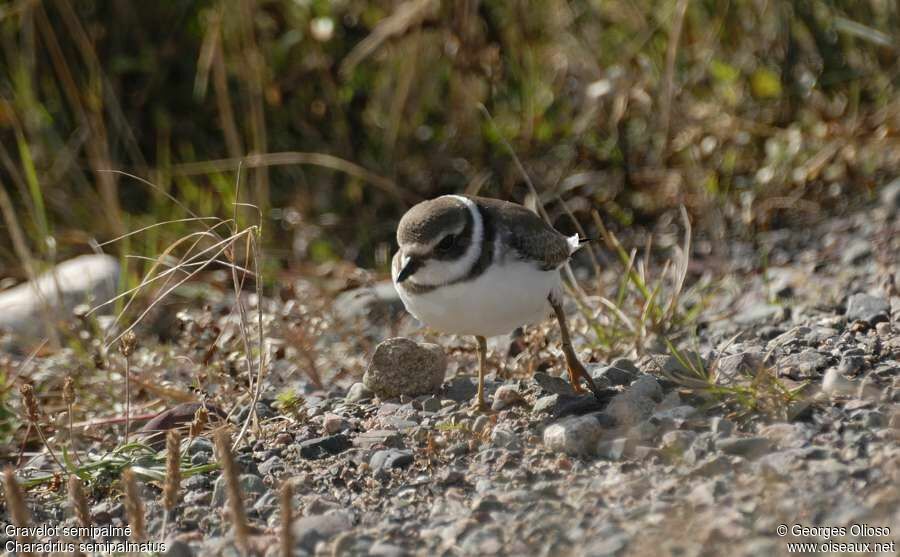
pixel 657 467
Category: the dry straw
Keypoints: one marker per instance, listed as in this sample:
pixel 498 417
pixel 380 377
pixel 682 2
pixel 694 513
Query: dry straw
pixel 79 502
pixel 173 470
pixel 235 498
pixel 134 506
pixel 287 519
pixel 126 348
pixel 16 503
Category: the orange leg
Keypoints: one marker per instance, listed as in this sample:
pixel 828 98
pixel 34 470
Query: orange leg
pixel 576 370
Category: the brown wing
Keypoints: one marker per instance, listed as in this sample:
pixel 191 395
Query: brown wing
pixel 531 237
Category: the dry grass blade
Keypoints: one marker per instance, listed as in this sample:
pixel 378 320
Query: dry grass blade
pixel 235 497
pixel 79 502
pixel 173 470
pixel 682 269
pixel 15 500
pixel 206 263
pixel 286 540
pixel 150 278
pixel 290 158
pixel 134 506
pixel 669 80
pixel 407 16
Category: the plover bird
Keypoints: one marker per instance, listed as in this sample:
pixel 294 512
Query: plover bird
pixel 482 267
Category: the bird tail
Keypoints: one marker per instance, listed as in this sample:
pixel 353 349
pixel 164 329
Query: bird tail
pixel 575 242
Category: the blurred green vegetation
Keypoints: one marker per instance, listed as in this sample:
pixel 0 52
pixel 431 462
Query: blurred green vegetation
pixel 345 112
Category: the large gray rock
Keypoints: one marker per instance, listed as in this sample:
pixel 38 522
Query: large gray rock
pixel 863 307
pixel 27 309
pixel 400 366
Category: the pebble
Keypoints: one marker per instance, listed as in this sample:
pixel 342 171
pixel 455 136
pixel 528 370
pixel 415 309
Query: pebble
pixel 751 447
pixel 615 449
pixel 177 548
pixel 320 447
pixel 552 384
pixel 481 424
pixel 388 459
pixel 506 438
pixel 573 436
pixel 677 440
pixel 252 486
pixel 835 384
pixel 334 424
pixel 401 366
pixel 506 396
pixel 358 392
pixel 308 531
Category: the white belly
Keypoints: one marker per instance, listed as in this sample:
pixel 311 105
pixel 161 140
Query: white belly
pixel 504 297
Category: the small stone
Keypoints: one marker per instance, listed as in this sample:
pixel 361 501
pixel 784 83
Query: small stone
pixel 358 392
pixel 736 368
pixel 546 404
pixel 378 437
pixel 872 309
pixel 723 427
pixel 851 364
pixel 835 384
pixel 388 459
pixel 273 465
pixel 177 548
pixel 460 389
pixel 481 424
pixel 637 403
pixel 615 449
pixel 671 400
pixel 334 424
pixel 677 440
pixel 706 492
pixel 751 447
pixel 646 386
pixel 803 365
pixel 678 414
pixel 760 314
pixel 620 372
pixel 506 396
pixel 384 549
pixel 505 438
pixel 553 385
pixel 856 252
pixel 431 404
pixel 574 436
pixel 323 446
pixel 400 366
pixel 252 487
pixel 310 530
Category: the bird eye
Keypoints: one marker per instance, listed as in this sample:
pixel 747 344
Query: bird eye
pixel 447 243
